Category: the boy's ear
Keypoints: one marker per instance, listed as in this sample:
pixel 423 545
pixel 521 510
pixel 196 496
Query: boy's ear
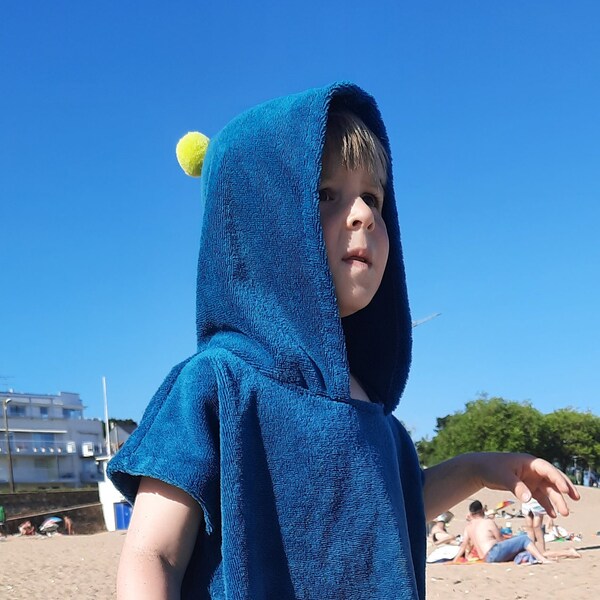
pixel 191 150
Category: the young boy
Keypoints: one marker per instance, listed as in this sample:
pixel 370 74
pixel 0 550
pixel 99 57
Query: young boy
pixel 269 464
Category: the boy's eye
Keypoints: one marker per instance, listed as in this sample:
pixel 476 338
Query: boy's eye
pixel 371 200
pixel 325 196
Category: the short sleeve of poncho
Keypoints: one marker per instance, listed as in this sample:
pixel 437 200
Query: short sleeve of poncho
pixel 177 440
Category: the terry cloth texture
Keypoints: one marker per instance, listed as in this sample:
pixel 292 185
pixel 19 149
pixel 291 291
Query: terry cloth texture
pixel 306 493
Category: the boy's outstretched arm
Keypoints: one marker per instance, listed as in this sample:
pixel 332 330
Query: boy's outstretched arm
pixel 524 475
pixel 159 542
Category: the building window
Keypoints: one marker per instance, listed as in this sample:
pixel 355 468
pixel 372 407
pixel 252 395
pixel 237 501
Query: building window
pixel 44 412
pixel 45 469
pixel 17 410
pixel 70 413
pixel 43 440
pixel 43 464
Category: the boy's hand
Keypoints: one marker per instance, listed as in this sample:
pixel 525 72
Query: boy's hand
pixel 526 476
pixel 450 482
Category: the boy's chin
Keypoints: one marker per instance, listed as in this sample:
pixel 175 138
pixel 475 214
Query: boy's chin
pixel 352 297
pixel 349 310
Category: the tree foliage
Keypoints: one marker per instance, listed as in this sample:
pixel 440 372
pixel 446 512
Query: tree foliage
pixel 569 435
pixel 499 425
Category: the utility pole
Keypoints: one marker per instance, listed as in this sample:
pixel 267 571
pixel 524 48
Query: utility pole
pixel 106 423
pixel 11 477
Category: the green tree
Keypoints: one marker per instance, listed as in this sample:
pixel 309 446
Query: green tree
pixel 486 425
pixel 568 433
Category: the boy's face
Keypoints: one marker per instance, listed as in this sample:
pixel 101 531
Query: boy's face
pixel 354 231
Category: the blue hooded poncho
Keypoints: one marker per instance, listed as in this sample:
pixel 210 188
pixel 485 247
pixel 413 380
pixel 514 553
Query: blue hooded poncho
pixel 306 493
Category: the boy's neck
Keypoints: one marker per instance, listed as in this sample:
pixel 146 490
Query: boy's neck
pixel 357 391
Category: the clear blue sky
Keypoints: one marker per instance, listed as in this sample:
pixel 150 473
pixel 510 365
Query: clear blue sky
pixel 493 113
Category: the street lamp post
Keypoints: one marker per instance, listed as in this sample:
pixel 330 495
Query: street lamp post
pixel 11 478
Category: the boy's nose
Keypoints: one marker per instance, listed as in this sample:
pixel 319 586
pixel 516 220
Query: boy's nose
pixel 360 215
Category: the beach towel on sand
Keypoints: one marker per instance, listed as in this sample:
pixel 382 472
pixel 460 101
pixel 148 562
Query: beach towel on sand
pixel 442 553
pixel 305 492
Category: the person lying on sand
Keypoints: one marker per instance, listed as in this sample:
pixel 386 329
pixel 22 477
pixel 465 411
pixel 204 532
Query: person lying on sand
pixel 439 533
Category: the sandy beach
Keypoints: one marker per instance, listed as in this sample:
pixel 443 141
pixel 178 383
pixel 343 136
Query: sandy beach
pixel 57 567
pixel 84 566
pixel 567 579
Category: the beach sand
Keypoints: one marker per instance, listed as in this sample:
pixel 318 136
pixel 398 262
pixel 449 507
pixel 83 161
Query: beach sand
pixel 60 567
pixel 567 579
pixel 85 566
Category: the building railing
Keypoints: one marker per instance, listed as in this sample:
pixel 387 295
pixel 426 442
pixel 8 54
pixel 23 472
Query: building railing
pixel 31 447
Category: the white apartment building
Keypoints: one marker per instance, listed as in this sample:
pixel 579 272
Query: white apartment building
pixel 51 444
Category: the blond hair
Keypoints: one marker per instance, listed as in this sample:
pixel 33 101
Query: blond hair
pixel 350 140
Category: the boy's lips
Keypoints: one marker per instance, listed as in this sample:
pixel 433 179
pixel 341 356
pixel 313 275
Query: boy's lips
pixel 359 255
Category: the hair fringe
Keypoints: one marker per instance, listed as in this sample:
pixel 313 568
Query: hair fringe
pixel 357 146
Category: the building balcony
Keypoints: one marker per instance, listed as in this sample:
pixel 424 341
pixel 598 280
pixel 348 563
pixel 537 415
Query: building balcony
pixel 31 448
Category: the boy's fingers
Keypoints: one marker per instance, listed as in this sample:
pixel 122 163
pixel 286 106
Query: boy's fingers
pixel 521 491
pixel 551 493
pixel 571 489
pixel 547 505
pixel 553 499
pixel 562 482
pixel 559 502
pixel 554 477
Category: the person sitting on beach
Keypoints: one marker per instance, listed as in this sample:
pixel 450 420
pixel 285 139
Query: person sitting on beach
pixel 26 528
pixel 485 536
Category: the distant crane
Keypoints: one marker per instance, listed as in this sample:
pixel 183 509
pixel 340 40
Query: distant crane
pixel 421 321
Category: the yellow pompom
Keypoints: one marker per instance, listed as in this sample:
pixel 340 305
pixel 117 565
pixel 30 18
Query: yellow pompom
pixel 191 150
